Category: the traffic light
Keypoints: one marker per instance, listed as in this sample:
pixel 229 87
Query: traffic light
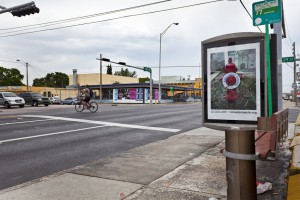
pixel 25 11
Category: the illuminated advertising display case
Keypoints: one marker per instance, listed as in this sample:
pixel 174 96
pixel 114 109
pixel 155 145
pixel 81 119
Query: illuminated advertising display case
pixel 233 78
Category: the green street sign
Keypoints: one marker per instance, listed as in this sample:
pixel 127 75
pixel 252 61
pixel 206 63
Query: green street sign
pixel 288 59
pixel 147 69
pixel 171 89
pixel 266 12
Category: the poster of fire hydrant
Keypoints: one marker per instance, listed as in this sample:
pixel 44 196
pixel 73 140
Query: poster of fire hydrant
pixel 233 79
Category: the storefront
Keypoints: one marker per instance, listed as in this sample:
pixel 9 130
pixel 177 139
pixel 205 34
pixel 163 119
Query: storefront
pixel 139 93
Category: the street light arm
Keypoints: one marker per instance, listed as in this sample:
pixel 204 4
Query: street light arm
pixel 25 63
pixel 164 32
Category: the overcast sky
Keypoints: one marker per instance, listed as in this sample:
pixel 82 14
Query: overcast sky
pixel 134 40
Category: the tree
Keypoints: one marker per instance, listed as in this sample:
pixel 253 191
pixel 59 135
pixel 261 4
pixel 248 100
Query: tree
pixel 109 69
pixel 56 79
pixel 10 77
pixel 39 82
pixel 143 80
pixel 126 72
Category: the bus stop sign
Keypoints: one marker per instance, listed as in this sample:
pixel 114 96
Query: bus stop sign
pixel 266 12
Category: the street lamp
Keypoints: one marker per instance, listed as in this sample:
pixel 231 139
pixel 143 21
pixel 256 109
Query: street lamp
pixel 26 64
pixel 159 80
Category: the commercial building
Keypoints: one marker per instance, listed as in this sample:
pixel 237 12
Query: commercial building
pixel 120 89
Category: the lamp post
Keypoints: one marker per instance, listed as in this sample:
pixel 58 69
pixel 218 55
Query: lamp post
pixel 26 64
pixel 159 80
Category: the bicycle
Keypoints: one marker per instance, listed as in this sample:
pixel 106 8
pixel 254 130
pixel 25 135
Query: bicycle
pixel 92 106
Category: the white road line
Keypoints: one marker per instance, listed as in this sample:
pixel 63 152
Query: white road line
pixel 48 134
pixel 106 123
pixel 24 122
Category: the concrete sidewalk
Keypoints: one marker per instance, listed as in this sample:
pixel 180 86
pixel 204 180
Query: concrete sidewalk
pixel 182 167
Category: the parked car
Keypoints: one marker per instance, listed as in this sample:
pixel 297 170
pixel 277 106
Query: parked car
pixel 69 101
pixel 55 100
pixel 8 99
pixel 34 99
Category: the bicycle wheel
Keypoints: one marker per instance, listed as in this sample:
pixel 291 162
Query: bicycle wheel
pixel 79 107
pixel 93 107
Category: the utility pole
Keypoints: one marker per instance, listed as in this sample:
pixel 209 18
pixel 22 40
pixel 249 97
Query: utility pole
pixel 26 65
pixel 278 32
pixel 27 76
pixel 100 93
pixel 295 83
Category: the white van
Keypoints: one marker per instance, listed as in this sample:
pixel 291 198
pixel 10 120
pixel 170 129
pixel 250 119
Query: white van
pixel 8 99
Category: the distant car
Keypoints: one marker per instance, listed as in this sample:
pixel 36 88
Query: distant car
pixel 286 98
pixel 55 100
pixel 8 99
pixel 69 101
pixel 34 99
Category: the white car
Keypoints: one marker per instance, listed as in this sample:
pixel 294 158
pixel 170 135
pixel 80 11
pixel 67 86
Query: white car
pixel 55 100
pixel 8 99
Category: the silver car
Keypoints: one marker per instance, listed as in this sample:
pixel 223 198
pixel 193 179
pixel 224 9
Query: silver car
pixel 55 100
pixel 69 101
pixel 8 99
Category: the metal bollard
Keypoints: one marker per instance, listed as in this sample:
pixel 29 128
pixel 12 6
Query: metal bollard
pixel 240 164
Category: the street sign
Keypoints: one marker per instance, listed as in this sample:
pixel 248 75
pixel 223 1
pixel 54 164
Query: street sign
pixel 288 59
pixel 147 69
pixel 266 12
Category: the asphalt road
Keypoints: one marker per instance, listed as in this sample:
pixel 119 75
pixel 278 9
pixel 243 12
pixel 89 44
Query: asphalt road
pixel 38 141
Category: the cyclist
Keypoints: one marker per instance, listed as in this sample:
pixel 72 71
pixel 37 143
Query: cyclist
pixel 87 97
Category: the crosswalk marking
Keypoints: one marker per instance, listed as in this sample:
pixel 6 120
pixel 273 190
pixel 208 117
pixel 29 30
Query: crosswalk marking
pixel 105 123
pixel 48 134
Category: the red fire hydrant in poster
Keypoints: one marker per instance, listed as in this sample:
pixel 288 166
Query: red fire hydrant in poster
pixel 231 81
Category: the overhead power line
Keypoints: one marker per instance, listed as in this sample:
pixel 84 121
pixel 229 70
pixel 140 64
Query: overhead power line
pixel 249 13
pixel 51 23
pixel 115 18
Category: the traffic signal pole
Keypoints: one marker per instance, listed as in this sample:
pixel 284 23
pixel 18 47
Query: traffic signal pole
pixel 151 86
pixel 100 91
pixel 148 69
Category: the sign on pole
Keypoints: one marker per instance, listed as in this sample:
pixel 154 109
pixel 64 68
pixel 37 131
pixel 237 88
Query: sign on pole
pixel 147 69
pixel 266 12
pixel 288 59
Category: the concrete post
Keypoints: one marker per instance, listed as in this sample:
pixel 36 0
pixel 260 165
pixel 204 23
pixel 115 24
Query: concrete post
pixel 240 164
